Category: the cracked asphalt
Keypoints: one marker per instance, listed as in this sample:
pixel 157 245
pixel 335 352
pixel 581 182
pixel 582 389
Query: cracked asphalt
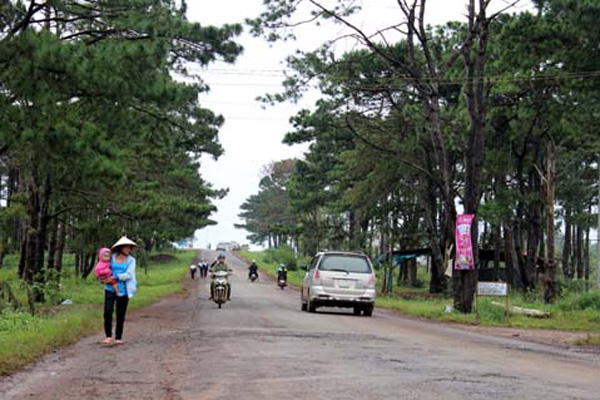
pixel 261 346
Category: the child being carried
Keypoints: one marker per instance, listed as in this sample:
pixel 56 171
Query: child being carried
pixel 102 269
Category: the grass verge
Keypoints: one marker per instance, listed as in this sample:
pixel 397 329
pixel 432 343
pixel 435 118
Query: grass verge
pixel 24 338
pixel 486 314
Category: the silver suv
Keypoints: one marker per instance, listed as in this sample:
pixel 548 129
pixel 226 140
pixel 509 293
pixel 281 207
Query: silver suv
pixel 339 279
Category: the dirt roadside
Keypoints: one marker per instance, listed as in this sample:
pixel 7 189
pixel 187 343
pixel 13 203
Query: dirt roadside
pixel 551 337
pixel 87 369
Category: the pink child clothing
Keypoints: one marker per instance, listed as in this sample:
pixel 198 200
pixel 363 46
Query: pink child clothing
pixel 102 269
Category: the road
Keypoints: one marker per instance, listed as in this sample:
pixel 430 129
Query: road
pixel 261 346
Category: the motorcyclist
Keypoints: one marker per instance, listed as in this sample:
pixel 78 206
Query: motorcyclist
pixel 282 272
pixel 219 265
pixel 252 269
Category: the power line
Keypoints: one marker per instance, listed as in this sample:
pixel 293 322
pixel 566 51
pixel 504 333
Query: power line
pixel 253 103
pixel 255 119
pixel 245 84
pixel 402 78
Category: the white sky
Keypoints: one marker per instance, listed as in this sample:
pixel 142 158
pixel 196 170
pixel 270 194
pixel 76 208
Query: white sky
pixel 251 135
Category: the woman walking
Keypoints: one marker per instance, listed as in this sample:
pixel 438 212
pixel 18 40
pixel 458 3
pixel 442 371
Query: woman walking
pixel 122 266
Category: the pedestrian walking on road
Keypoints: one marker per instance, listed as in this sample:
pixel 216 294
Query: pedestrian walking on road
pixel 193 269
pixel 122 266
pixel 203 269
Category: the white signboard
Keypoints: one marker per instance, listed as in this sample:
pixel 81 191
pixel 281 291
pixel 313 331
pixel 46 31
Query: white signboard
pixel 492 289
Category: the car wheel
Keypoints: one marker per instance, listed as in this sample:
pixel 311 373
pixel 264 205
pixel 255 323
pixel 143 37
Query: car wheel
pixel 310 306
pixel 368 311
pixel 357 310
pixel 304 306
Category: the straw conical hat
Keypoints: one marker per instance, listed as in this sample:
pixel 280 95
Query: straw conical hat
pixel 124 241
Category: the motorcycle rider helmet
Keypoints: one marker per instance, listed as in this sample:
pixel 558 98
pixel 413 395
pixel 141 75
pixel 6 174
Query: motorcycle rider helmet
pixel 221 256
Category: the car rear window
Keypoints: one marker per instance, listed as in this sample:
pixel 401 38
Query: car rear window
pixel 354 264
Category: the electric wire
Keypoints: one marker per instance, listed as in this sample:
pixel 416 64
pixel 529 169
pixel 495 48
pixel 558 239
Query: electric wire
pixel 389 80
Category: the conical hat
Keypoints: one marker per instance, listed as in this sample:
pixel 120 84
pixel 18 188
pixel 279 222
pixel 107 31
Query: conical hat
pixel 124 241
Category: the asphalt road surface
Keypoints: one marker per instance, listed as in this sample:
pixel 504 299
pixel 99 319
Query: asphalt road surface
pixel 261 346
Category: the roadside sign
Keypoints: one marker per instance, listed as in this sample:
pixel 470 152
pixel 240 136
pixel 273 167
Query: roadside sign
pixel 492 289
pixel 464 246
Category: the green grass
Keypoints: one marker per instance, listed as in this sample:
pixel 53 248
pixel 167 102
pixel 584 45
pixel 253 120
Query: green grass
pixel 24 338
pixel 486 314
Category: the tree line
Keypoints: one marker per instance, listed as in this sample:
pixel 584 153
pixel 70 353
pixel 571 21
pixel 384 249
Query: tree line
pixel 101 131
pixel 495 116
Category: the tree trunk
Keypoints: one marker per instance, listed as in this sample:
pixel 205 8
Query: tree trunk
pixel 497 250
pixel 411 266
pixel 566 253
pixel 88 260
pixel 511 259
pixel 427 194
pixel 586 253
pixel 474 57
pixel 402 272
pixel 549 275
pixel 60 248
pixel 13 187
pixel 51 273
pixel 36 221
pixel 579 252
pixel 78 257
pixel 534 233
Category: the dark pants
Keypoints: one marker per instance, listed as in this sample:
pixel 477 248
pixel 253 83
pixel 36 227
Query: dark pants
pixel 203 272
pixel 110 299
pixel 193 272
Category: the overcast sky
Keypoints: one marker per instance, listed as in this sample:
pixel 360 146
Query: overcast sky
pixel 251 135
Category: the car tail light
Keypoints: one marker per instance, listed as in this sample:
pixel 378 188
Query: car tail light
pixel 371 283
pixel 317 277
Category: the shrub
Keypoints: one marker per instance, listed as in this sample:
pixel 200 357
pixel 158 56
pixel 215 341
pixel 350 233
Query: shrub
pixel 581 301
pixel 282 255
pixel 14 321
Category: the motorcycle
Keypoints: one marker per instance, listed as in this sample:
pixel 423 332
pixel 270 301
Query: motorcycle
pixel 220 287
pixel 253 276
pixel 282 282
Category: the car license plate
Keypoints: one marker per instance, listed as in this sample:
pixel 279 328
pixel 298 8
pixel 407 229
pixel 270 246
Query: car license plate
pixel 345 283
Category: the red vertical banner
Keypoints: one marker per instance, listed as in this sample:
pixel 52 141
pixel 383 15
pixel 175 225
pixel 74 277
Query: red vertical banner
pixel 464 247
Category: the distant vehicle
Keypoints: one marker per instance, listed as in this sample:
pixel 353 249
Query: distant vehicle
pixel 228 246
pixel 221 247
pixel 339 279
